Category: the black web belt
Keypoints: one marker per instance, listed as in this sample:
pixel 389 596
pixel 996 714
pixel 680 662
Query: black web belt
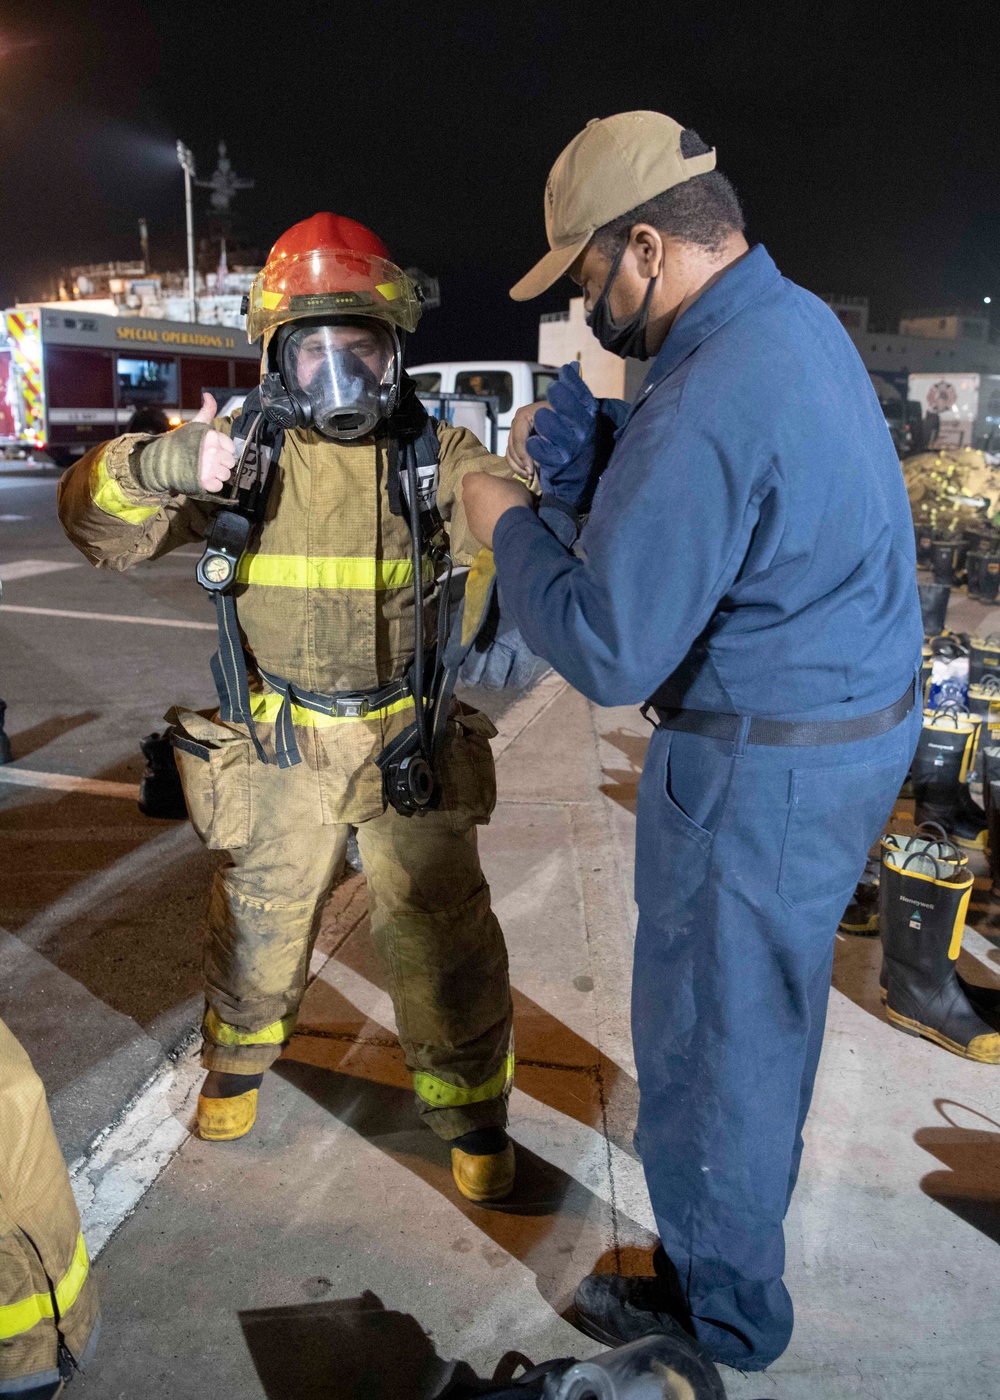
pixel 229 668
pixel 779 733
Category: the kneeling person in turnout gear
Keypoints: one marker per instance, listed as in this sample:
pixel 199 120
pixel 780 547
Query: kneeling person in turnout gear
pixel 331 561
pixel 48 1301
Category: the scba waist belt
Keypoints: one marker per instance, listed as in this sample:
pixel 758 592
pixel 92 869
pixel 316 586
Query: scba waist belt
pixel 777 733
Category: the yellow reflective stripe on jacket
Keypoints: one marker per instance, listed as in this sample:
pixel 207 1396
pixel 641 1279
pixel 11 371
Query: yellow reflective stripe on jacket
pixel 440 1094
pixel 219 1033
pixel 265 710
pixel 16 1318
pixel 108 496
pixel 303 571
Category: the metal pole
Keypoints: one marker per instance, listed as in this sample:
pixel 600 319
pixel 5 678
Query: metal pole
pixel 186 160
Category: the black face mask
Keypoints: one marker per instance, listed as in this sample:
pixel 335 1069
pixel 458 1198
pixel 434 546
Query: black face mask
pixel 627 338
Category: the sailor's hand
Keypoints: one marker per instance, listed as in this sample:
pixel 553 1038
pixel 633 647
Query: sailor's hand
pixel 218 454
pixel 485 498
pixel 520 430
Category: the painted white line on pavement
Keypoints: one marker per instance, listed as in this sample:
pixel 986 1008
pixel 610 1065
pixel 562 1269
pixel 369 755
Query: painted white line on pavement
pixel 67 782
pixel 111 1179
pixel 108 617
pixel 8 519
pixel 133 872
pixel 28 568
pixel 516 720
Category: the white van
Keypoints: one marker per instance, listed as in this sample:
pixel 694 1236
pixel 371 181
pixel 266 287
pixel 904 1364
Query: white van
pixel 513 382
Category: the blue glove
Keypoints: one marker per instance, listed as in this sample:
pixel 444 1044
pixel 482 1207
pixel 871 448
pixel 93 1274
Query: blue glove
pixel 569 441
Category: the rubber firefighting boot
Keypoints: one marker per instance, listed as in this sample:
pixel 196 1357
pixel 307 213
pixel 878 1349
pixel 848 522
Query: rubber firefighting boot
pixel 861 915
pixel 227 1106
pixel 160 793
pixel 6 753
pixel 922 904
pixel 933 606
pixel 482 1163
pixel 938 773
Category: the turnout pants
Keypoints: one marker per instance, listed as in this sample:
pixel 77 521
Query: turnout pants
pixel 431 921
pixel 48 1302
pixel 746 857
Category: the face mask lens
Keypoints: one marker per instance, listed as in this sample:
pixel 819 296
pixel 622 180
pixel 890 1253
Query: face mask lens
pixel 342 371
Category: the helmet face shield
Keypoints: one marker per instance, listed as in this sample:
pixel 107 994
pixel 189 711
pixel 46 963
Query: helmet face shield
pixel 346 371
pixel 331 282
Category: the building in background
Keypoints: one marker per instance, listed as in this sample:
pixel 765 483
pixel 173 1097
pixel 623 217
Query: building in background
pixel 564 336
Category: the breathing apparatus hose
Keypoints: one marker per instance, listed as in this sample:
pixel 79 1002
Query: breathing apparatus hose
pixel 418 599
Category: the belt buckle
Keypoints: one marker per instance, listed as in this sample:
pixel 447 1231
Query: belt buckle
pixel 358 708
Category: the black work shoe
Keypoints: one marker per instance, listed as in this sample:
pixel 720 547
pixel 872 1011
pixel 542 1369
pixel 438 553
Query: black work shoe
pixel 614 1309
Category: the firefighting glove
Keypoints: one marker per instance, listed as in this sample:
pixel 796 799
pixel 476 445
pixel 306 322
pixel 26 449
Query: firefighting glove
pixel 168 465
pixel 571 441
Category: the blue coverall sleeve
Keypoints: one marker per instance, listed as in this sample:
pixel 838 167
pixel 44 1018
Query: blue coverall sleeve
pixel 615 409
pixel 671 524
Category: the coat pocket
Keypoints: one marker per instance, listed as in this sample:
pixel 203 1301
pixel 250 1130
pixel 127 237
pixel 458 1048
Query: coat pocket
pixel 467 774
pixel 215 764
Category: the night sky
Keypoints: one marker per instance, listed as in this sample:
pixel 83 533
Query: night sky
pixel 862 138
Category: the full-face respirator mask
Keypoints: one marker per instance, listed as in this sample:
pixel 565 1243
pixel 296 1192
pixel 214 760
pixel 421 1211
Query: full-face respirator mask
pixel 340 377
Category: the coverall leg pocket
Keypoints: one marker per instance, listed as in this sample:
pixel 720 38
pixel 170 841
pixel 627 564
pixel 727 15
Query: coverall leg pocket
pixel 834 815
pixel 673 846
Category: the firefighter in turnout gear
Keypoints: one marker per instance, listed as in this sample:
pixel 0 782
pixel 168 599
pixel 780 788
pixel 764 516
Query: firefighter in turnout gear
pixel 48 1301
pixel 327 649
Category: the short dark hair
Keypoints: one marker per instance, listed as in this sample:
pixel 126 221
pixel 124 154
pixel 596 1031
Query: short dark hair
pixel 704 210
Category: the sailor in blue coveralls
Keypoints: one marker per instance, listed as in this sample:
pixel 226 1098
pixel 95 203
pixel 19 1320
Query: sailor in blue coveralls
pixel 747 562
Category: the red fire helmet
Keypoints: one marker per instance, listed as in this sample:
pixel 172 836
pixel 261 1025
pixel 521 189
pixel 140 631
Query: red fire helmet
pixel 330 266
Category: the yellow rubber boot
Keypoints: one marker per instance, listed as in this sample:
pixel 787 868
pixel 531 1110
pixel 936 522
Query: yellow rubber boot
pixel 225 1117
pixel 483 1176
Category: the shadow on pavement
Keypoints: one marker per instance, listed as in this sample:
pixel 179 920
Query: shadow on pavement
pixel 134 946
pixel 26 741
pixel 550 1218
pixel 970 1187
pixel 345 1349
pixel 622 784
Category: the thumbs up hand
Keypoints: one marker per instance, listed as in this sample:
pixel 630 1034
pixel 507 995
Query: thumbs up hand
pixel 218 455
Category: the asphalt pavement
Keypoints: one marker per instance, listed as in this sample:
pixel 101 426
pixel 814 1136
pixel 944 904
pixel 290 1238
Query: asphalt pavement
pixel 327 1254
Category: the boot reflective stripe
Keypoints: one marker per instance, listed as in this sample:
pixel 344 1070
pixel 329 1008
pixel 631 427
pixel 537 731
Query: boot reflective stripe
pixel 303 571
pixel 108 496
pixel 955 946
pixel 219 1033
pixel 440 1094
pixel 266 709
pixel 16 1318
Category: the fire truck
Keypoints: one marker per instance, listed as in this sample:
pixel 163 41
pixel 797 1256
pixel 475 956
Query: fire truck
pixel 70 378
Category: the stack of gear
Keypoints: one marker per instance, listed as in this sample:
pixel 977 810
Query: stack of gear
pixel 349 591
pixel 48 1301
pixel 939 773
pixel 924 892
pixel 951 490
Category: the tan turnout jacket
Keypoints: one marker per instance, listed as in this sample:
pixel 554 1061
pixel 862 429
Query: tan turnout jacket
pixel 48 1302
pixel 325 596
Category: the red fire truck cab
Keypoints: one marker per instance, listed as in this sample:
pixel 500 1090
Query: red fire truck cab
pixel 69 378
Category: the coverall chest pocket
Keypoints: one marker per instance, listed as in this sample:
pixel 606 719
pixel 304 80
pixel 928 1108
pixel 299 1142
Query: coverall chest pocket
pixel 214 762
pixel 834 815
pixel 673 848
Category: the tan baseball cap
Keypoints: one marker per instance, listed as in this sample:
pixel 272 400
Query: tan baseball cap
pixel 614 164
